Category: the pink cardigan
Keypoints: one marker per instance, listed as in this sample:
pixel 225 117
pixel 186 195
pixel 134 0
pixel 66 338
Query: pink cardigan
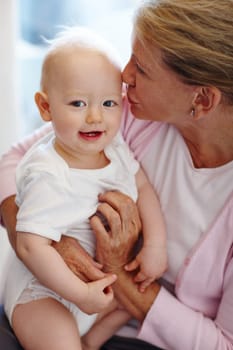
pixel 200 317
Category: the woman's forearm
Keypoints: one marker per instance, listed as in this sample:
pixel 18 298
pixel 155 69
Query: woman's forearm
pixel 128 294
pixel 9 211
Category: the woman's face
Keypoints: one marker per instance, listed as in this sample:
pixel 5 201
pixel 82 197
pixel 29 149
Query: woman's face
pixel 155 92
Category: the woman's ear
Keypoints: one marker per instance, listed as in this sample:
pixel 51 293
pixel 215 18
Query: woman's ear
pixel 42 103
pixel 205 100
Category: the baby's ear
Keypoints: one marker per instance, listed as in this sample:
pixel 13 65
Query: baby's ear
pixel 42 103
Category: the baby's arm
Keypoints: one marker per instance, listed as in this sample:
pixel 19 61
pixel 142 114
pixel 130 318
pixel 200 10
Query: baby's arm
pixel 152 258
pixel 49 268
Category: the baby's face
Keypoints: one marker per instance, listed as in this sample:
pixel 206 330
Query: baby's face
pixel 85 98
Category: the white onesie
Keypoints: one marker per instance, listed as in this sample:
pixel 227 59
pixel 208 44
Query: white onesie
pixel 54 199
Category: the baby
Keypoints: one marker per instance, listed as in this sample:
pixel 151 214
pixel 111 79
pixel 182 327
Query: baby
pixel 58 182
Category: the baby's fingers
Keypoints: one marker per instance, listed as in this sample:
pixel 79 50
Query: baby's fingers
pixel 142 287
pixel 133 265
pixel 140 277
pixel 106 282
pixel 102 291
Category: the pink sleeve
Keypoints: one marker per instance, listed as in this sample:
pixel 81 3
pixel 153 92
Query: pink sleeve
pixel 10 160
pixel 172 325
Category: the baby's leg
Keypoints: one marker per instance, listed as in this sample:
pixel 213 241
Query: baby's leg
pixel 45 324
pixel 105 327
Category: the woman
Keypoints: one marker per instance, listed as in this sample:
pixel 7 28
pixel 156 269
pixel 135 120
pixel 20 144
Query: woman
pixel 180 79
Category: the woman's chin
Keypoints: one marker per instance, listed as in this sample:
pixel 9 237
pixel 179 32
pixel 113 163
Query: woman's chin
pixel 137 112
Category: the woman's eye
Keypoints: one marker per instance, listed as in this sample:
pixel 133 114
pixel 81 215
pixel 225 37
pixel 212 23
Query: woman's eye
pixel 109 103
pixel 78 103
pixel 139 69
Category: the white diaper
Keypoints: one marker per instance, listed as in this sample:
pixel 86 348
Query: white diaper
pixel 35 291
pixel 22 287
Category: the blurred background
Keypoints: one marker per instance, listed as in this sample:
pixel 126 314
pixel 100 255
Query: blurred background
pixel 23 24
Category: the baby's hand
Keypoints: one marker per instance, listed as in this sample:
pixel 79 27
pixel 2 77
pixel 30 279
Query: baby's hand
pixel 99 295
pixel 151 262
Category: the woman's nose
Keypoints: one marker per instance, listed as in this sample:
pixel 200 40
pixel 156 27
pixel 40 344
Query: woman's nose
pixel 128 74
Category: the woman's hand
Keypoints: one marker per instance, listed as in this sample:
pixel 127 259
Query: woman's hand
pixel 78 260
pixel 8 212
pixel 116 243
pixel 115 246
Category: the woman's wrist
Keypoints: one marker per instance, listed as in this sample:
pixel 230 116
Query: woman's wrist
pixel 128 294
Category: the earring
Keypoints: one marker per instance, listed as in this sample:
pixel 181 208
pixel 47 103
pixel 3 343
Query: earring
pixel 193 112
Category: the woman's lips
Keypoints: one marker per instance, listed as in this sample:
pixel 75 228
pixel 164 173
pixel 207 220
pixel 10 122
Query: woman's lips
pixel 91 135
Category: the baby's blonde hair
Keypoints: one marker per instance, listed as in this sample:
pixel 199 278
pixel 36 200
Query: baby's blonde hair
pixel 77 37
pixel 196 39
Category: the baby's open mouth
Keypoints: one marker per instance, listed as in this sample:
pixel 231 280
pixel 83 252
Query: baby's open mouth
pixel 91 135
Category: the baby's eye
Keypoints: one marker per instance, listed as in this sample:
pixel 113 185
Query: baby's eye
pixel 109 103
pixel 78 103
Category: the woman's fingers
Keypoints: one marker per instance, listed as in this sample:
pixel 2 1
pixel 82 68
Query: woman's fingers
pixel 99 229
pixel 97 265
pixel 103 240
pixel 121 213
pixel 124 206
pixel 116 239
pixel 113 198
pixel 109 218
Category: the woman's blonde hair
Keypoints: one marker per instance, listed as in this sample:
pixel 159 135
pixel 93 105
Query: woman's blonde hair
pixel 195 36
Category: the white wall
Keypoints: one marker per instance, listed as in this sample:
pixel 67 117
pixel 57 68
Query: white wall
pixel 8 101
pixel 8 73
